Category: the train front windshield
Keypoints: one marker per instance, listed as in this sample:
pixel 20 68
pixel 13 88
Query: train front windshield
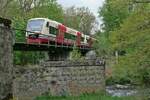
pixel 35 25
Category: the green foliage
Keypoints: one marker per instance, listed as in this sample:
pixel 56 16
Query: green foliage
pixel 22 10
pixel 127 28
pixel 134 32
pixel 96 96
pixel 113 13
pixel 134 38
pixel 102 45
pixel 75 54
pixel 19 23
pixel 49 10
pixel 24 58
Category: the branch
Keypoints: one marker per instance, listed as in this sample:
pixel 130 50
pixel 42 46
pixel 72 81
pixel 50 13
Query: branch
pixel 5 4
pixel 136 1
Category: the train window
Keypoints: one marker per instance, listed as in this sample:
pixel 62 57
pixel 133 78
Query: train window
pixel 53 30
pixel 35 25
pixel 82 39
pixel 70 36
pixel 67 35
pixel 73 37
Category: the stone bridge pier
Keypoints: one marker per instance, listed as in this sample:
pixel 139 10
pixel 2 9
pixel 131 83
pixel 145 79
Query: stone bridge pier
pixel 59 78
pixel 6 59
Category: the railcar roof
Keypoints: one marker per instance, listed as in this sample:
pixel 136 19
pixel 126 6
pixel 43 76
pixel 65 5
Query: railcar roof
pixel 72 31
pixel 38 18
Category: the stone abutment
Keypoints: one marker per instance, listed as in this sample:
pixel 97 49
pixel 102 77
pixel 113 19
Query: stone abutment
pixel 6 59
pixel 59 78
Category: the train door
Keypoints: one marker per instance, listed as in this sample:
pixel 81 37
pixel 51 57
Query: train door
pixel 78 40
pixel 60 36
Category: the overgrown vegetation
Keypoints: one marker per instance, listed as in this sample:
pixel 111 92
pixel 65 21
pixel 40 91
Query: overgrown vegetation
pixel 86 97
pixel 126 39
pixel 75 55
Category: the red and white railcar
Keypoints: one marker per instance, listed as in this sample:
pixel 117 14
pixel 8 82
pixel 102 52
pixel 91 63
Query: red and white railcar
pixel 43 30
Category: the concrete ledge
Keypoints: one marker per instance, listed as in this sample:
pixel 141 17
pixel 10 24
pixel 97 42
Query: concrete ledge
pixel 69 63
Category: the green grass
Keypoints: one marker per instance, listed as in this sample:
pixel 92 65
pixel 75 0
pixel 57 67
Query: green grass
pixel 85 97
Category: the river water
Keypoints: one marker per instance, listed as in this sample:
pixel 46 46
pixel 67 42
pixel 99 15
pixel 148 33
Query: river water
pixel 121 90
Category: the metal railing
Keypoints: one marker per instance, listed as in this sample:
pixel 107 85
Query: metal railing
pixel 20 36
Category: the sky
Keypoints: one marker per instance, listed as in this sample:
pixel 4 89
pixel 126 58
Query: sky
pixel 93 5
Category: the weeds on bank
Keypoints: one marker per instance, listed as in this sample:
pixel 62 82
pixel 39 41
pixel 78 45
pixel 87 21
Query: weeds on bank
pixel 85 97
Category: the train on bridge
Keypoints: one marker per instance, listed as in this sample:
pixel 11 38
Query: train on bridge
pixel 46 31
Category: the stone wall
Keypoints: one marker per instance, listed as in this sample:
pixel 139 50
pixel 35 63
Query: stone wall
pixel 6 62
pixel 59 78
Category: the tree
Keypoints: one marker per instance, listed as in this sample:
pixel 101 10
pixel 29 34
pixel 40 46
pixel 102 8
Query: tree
pixel 133 37
pixel 80 18
pixel 22 10
pixel 4 4
pixel 126 29
pixel 113 13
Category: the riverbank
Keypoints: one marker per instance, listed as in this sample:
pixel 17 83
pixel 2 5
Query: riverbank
pixel 117 90
pixel 96 96
pixel 121 90
pixel 114 92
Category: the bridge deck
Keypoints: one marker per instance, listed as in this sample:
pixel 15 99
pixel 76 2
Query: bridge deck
pixel 22 46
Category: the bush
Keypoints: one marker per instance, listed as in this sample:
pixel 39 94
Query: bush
pixel 94 96
pixel 75 54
